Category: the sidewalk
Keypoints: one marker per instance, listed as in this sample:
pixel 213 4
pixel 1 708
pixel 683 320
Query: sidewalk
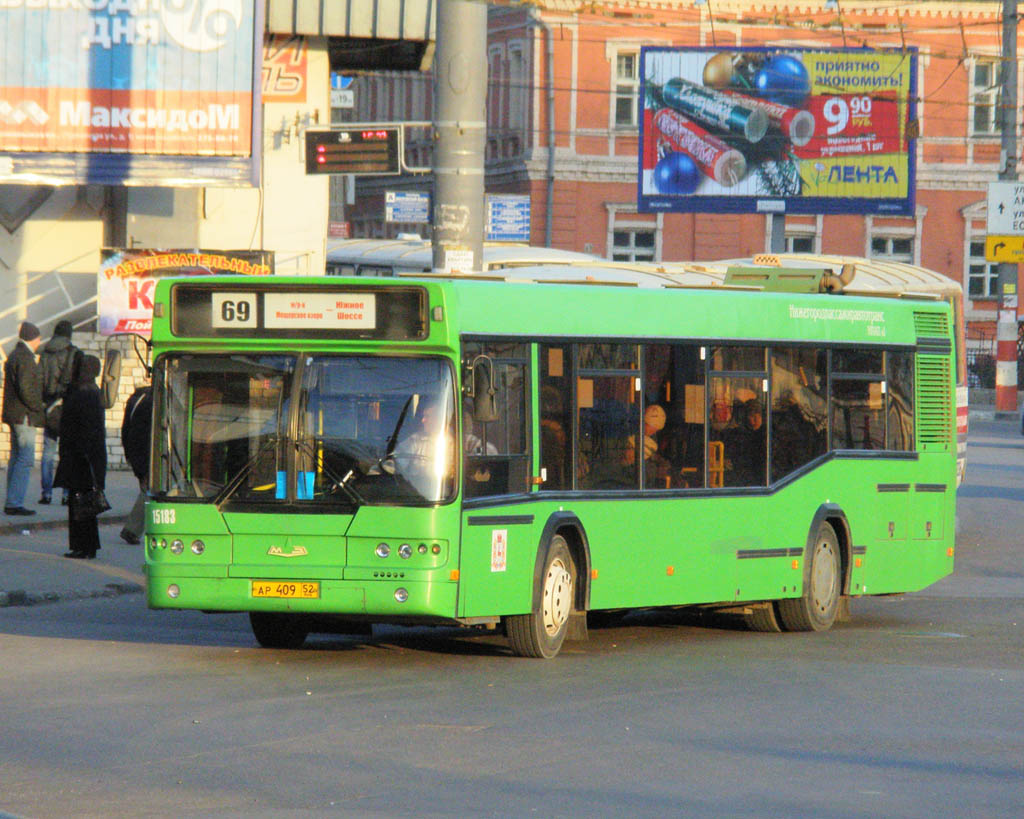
pixel 32 569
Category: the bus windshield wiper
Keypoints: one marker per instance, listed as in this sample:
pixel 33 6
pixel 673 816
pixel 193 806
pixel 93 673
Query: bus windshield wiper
pixel 338 482
pixel 393 438
pixel 232 485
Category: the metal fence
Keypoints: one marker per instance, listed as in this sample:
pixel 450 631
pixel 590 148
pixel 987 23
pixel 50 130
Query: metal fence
pixel 981 359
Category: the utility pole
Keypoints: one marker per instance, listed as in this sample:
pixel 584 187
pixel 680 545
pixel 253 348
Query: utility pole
pixel 1006 326
pixel 460 134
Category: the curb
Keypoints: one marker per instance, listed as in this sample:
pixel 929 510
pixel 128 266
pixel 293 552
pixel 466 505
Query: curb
pixel 40 525
pixel 20 597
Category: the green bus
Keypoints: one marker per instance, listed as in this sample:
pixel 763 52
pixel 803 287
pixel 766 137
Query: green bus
pixel 515 451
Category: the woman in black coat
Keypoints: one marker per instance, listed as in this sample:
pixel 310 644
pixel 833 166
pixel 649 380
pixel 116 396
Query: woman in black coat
pixel 82 453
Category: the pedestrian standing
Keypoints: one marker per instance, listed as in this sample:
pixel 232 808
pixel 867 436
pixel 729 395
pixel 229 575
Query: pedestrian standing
pixel 23 413
pixel 82 448
pixel 135 430
pixel 56 360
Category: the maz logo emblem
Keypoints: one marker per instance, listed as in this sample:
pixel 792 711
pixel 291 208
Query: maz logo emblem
pixel 297 551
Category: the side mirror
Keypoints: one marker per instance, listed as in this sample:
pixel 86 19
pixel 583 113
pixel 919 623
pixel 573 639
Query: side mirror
pixel 110 377
pixel 485 405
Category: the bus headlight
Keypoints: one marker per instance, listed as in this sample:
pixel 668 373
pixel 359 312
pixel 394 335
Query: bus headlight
pixel 173 591
pixel 405 551
pixel 177 547
pixel 198 547
pixel 382 550
pixel 401 595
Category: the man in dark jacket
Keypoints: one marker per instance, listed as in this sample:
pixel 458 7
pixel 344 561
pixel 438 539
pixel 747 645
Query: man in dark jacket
pixel 56 360
pixel 135 430
pixel 23 413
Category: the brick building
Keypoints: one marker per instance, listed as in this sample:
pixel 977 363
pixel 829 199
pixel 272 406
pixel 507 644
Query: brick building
pixel 566 74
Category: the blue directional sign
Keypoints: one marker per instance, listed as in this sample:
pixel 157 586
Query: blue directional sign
pixel 508 218
pixel 407 207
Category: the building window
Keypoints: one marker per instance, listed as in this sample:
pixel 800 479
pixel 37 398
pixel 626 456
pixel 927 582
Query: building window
pixel 800 243
pixel 633 245
pixel 985 97
pixel 518 88
pixel 627 88
pixel 982 276
pixel 893 249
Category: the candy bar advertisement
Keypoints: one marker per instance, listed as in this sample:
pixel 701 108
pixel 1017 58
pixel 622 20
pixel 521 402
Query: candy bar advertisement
pixel 748 130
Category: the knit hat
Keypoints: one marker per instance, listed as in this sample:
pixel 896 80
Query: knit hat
pixel 28 331
pixel 63 328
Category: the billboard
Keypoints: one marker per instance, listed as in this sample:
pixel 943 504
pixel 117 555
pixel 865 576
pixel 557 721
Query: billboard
pixel 127 280
pixel 93 91
pixel 748 130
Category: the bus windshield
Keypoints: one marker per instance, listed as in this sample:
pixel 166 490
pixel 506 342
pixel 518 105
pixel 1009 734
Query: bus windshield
pixel 368 429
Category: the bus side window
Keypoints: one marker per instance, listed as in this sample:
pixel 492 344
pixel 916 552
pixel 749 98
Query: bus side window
pixel 555 418
pixel 495 453
pixel 798 408
pixel 673 417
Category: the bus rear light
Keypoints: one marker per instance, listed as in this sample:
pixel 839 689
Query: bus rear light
pixel 173 591
pixel 401 595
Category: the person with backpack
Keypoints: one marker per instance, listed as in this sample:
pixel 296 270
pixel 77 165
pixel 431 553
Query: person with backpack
pixel 135 431
pixel 56 362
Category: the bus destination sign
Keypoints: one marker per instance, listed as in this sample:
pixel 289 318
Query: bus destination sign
pixel 358 150
pixel 314 312
pixel 331 311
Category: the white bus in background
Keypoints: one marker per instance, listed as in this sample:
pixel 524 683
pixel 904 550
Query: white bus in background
pixel 413 254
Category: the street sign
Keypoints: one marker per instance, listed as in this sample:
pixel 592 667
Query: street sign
pixel 407 207
pixel 344 98
pixel 1005 210
pixel 1004 249
pixel 359 150
pixel 508 218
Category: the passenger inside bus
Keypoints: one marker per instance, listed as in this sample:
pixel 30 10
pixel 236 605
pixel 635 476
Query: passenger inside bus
pixel 483 475
pixel 745 446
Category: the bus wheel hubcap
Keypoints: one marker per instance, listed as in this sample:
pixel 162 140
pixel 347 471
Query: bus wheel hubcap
pixel 557 597
pixel 823 577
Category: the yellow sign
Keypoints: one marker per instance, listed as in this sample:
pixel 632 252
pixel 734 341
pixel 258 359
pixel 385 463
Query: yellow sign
pixel 1004 249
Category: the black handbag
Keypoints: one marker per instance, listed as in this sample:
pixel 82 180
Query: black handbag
pixel 88 503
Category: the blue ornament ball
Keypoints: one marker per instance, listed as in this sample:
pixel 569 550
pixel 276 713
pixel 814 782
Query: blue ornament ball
pixel 676 174
pixel 783 79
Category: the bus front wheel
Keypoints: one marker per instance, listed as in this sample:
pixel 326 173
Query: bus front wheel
pixel 273 630
pixel 541 632
pixel 817 608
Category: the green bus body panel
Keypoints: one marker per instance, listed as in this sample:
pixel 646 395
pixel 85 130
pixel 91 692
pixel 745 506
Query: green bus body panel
pixel 339 550
pixel 704 549
pixel 712 546
pixel 540 310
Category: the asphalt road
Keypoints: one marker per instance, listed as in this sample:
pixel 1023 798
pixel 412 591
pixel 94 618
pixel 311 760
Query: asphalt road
pixel 911 709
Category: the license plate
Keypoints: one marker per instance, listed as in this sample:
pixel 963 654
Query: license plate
pixel 294 590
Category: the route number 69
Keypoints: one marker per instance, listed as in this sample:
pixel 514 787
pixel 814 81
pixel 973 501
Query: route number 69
pixel 233 310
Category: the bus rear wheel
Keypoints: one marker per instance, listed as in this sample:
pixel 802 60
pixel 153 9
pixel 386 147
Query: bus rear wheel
pixel 817 608
pixel 542 632
pixel 273 630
